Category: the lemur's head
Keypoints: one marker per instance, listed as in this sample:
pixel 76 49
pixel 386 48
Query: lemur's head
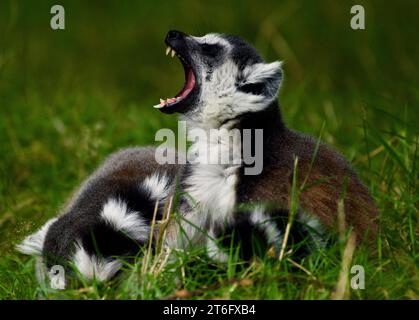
pixel 225 78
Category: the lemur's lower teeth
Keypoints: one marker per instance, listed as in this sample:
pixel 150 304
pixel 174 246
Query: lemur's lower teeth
pixel 163 103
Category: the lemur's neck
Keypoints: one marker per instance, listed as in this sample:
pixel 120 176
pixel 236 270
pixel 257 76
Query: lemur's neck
pixel 259 132
pixel 269 120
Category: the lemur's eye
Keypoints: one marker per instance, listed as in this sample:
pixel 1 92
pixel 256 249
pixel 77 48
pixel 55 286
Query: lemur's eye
pixel 253 88
pixel 210 49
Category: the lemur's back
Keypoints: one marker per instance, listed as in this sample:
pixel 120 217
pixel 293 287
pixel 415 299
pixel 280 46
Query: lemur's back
pixel 327 178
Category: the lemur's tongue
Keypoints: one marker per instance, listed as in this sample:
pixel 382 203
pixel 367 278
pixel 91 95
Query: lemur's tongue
pixel 190 83
pixel 187 88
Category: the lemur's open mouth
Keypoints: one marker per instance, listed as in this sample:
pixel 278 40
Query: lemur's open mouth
pixel 176 46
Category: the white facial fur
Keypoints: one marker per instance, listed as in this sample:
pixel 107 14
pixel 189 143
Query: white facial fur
pixel 220 97
pixel 212 38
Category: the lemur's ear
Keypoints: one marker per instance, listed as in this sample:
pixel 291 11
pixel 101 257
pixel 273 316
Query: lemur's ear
pixel 262 78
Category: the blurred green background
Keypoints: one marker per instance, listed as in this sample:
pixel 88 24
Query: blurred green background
pixel 70 97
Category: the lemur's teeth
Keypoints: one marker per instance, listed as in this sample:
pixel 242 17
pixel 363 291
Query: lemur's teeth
pixel 173 53
pixel 168 49
pixel 160 105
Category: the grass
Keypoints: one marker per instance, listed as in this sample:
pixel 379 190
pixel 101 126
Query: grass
pixel 68 99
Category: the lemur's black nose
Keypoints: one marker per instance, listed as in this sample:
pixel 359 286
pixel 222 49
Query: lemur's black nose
pixel 174 35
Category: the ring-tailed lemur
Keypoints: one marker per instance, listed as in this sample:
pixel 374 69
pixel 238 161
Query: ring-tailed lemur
pixel 108 218
pixel 229 86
